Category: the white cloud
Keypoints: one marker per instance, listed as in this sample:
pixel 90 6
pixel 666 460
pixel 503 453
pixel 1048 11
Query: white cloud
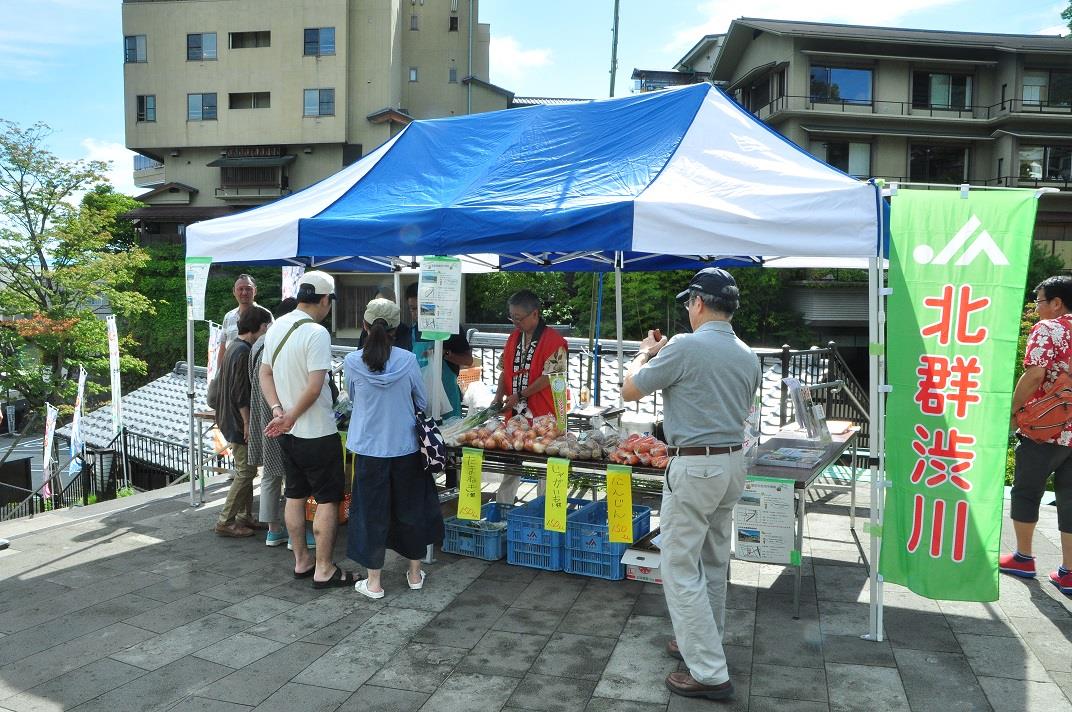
pixel 719 14
pixel 121 171
pixel 509 62
pixel 37 35
pixel 1054 30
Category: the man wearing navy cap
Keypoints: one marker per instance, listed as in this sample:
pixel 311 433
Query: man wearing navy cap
pixel 709 379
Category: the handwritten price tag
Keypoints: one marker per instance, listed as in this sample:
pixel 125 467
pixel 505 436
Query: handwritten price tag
pixel 554 509
pixel 469 483
pixel 620 503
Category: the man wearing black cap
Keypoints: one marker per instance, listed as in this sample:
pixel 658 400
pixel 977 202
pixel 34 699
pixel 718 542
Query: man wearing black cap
pixel 709 379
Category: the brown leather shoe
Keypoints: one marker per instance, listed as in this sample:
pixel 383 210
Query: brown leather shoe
pixel 681 683
pixel 672 650
pixel 232 530
pixel 255 525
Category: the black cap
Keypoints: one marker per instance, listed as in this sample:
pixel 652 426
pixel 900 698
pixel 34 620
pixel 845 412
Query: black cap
pixel 714 281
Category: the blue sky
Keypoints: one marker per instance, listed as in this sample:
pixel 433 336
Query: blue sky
pixel 63 58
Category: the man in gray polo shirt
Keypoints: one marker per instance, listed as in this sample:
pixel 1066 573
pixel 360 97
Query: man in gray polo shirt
pixel 709 379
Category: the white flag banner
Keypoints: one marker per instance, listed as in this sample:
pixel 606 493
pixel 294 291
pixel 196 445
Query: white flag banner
pixel 215 337
pixel 117 389
pixel 291 277
pixel 76 422
pixel 50 433
pixel 196 281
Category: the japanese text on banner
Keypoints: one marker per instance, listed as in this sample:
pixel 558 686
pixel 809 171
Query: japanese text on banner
pixel 554 510
pixel 469 483
pixel 620 503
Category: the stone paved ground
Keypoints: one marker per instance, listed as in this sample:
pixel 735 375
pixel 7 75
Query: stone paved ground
pixel 143 608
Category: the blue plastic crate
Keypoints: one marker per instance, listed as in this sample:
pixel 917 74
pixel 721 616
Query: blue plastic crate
pixel 588 549
pixel 462 536
pixel 528 543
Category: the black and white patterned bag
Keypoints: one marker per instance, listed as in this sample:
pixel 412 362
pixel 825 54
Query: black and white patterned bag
pixel 432 446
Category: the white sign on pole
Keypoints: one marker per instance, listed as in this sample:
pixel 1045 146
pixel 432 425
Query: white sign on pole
pixel 50 432
pixel 215 336
pixel 117 389
pixel 196 281
pixel 291 277
pixel 763 521
pixel 76 424
pixel 439 296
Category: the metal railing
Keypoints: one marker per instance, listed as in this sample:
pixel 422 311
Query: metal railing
pixel 885 107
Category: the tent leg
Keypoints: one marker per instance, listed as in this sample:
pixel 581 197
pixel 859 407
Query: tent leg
pixel 876 333
pixel 398 291
pixel 618 322
pixel 437 376
pixel 596 353
pixel 191 459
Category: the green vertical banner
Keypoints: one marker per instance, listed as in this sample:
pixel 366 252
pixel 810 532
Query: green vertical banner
pixel 957 271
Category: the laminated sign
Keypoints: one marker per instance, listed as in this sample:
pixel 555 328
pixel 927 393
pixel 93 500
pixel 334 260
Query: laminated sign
pixel 469 483
pixel 957 272
pixel 554 510
pixel 620 503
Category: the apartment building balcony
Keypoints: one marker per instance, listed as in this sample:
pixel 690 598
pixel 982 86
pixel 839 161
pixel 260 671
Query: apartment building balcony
pixel 251 192
pixel 147 172
pixel 889 108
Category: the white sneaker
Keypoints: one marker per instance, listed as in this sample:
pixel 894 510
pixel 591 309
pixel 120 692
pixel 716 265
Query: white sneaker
pixel 362 588
pixel 416 586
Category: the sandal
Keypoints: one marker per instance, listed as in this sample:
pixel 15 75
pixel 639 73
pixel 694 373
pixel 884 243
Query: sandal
pixel 416 586
pixel 362 588
pixel 305 574
pixel 339 578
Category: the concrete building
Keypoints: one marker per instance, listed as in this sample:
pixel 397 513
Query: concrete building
pixel 692 68
pixel 233 103
pixel 918 106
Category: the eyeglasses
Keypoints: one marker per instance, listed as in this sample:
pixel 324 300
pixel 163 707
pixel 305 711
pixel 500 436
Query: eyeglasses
pixel 1040 301
pixel 518 319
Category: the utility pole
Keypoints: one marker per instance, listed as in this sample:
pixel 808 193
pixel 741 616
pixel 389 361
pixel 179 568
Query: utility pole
pixel 614 49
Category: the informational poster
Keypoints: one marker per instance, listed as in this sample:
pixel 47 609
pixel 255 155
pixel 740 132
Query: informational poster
pixel 554 508
pixel 196 281
pixel 439 298
pixel 215 337
pixel 957 271
pixel 620 504
pixel 469 483
pixel 291 277
pixel 113 362
pixel 763 523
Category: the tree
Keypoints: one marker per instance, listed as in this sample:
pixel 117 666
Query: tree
pixel 56 266
pixel 1066 14
pixel 105 200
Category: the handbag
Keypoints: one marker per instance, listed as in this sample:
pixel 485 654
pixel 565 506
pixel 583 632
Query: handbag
pixel 1045 417
pixel 431 441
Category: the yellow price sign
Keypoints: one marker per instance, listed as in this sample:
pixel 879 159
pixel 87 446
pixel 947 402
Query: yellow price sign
pixel 620 504
pixel 554 507
pixel 469 483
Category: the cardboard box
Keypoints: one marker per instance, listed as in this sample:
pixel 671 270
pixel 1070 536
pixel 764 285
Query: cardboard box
pixel 642 560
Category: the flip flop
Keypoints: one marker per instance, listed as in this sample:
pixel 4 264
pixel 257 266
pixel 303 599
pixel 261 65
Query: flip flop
pixel 305 574
pixel 339 578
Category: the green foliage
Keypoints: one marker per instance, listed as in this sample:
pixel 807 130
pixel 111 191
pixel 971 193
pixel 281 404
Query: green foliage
pixel 125 492
pixel 91 498
pixel 1066 14
pixel 104 200
pixel 56 266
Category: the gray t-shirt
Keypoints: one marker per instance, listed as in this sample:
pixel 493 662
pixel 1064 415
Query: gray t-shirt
pixel 709 380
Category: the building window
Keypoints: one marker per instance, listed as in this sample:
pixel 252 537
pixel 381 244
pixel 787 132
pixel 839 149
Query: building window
pixel 453 26
pixel 941 91
pixel 147 107
pixel 319 102
pixel 244 176
pixel 1045 87
pixel 200 46
pixel 201 107
pixel 247 40
pixel 847 156
pixel 413 74
pixel 134 48
pixel 250 100
pixel 144 163
pixel 452 75
pixel 840 85
pixel 929 163
pixel 319 41
pixel 1046 163
pixel 414 23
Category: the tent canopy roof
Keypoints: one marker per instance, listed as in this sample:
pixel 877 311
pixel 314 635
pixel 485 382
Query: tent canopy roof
pixel 671 179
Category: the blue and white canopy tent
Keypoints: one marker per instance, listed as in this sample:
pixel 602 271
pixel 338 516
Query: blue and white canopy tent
pixel 681 178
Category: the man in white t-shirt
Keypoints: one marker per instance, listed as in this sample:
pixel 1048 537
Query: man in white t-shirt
pixel 245 293
pixel 293 376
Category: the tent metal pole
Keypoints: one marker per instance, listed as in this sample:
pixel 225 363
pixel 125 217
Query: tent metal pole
pixel 191 394
pixel 618 322
pixel 876 337
pixel 398 291
pixel 596 352
pixel 437 378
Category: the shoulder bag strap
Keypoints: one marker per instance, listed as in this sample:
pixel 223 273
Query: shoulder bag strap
pixel 286 336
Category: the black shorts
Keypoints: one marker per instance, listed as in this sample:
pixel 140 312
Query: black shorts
pixel 313 467
pixel 1035 462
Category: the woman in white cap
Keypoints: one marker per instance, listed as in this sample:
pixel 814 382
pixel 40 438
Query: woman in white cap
pixel 395 505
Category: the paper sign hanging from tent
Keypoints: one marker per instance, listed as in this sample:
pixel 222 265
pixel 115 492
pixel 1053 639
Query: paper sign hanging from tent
pixel 291 277
pixel 439 295
pixel 215 336
pixel 957 272
pixel 620 503
pixel 469 483
pixel 196 281
pixel 763 521
pixel 113 362
pixel 554 509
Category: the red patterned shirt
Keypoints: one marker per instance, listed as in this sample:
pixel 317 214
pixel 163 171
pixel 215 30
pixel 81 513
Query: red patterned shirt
pixel 1049 345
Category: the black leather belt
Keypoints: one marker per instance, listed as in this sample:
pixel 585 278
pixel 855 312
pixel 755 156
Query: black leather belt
pixel 703 450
